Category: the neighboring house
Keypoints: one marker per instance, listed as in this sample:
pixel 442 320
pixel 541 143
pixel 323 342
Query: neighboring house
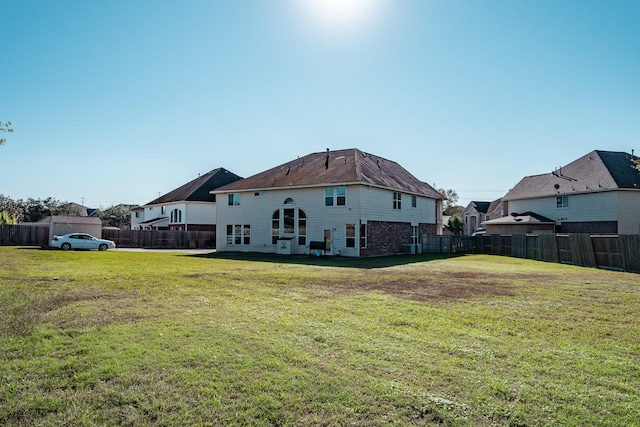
pixel 473 215
pixel 598 193
pixel 343 202
pixel 79 210
pixel 190 207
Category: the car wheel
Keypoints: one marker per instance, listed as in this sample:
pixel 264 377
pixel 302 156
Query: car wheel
pixel 65 246
pixel 102 247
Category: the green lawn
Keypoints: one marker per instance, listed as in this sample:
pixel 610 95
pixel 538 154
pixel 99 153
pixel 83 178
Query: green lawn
pixel 123 338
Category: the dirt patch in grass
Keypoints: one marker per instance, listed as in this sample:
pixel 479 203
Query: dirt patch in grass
pixel 450 287
pixel 65 308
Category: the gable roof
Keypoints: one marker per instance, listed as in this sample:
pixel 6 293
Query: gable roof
pixel 199 189
pixel 482 207
pixel 595 171
pixel 349 166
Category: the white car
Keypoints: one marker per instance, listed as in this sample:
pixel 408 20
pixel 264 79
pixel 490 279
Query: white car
pixel 81 241
pixel 479 232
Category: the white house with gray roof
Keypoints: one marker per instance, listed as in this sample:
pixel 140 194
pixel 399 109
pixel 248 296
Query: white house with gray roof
pixel 598 193
pixel 190 207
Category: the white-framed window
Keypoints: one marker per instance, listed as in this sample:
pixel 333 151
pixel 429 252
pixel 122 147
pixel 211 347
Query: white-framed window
pixel 335 196
pixel 414 201
pixel 289 201
pixel 363 236
pixel 238 234
pixel 562 202
pixel 259 194
pixel 302 227
pixel 350 235
pixel 290 223
pixel 414 235
pixel 163 210
pixel 137 214
pixel 234 199
pixel 397 200
pixel 176 215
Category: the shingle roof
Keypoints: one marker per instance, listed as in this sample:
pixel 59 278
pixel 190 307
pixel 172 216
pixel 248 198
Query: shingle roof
pixel 198 190
pixel 595 171
pixel 482 207
pixel 349 166
pixel 523 218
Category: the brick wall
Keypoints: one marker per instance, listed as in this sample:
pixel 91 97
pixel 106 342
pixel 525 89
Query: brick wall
pixel 388 238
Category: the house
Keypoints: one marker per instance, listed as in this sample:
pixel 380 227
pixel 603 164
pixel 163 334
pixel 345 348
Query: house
pixel 473 215
pixel 190 207
pixel 599 193
pixel 78 209
pixel 343 202
pixel 476 213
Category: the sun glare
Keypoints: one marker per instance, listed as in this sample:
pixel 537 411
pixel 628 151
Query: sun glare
pixel 340 18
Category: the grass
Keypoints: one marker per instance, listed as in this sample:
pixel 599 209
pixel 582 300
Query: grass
pixel 120 338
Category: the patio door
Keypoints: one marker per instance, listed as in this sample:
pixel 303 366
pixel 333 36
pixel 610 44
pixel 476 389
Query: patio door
pixel 328 237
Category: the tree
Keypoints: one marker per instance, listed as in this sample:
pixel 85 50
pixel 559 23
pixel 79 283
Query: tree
pixel 5 218
pixel 116 216
pixel 450 206
pixel 455 224
pixel 12 208
pixel 5 127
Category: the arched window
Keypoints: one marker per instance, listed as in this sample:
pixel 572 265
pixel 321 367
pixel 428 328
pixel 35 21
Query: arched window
pixel 176 215
pixel 290 223
pixel 289 201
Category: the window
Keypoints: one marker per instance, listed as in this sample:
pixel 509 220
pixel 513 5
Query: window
pixel 414 235
pixel 414 201
pixel 163 210
pixel 562 201
pixel 275 227
pixel 238 234
pixel 176 215
pixel 259 194
pixel 288 225
pixel 341 199
pixel 302 227
pixel 351 235
pixel 234 199
pixel 363 235
pixel 289 201
pixel 328 196
pixel 289 222
pixel 335 196
pixel 397 201
pixel 246 234
pixel 137 214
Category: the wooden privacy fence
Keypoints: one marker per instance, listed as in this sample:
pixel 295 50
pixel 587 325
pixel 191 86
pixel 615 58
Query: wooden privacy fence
pixel 36 235
pixel 616 252
pixel 161 239
pixel 24 235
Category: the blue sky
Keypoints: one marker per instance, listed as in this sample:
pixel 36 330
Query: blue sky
pixel 118 101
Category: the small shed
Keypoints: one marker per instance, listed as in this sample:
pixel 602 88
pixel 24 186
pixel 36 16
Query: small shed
pixel 59 225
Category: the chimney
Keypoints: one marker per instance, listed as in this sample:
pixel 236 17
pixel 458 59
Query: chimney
pixel 326 162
